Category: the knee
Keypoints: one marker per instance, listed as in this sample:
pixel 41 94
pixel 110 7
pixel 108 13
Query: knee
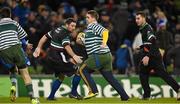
pixel 13 70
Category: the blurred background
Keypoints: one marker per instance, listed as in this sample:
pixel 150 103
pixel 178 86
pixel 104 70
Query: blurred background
pixel 38 17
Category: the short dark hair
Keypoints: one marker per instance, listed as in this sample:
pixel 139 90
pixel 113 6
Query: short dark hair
pixel 143 14
pixel 5 12
pixel 69 21
pixel 93 14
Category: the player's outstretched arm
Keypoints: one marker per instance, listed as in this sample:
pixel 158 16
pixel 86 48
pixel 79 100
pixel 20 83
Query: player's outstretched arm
pixel 40 45
pixel 73 55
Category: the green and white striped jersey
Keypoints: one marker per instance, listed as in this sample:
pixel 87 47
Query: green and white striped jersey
pixel 10 33
pixel 93 39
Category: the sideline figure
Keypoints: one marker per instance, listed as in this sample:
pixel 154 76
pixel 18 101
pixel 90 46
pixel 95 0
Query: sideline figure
pixel 151 58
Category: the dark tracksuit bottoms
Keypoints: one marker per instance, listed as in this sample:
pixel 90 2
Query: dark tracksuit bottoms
pixel 158 66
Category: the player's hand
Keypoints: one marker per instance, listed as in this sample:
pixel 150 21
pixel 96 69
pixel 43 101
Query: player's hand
pixel 77 59
pixel 103 45
pixel 71 60
pixel 145 60
pixel 29 46
pixel 37 52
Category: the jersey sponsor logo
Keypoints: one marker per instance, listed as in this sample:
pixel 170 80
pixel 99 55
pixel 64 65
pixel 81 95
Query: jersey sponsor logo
pixel 57 31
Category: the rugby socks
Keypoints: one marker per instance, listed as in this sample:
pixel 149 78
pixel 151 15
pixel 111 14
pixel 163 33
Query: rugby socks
pixel 13 76
pixel 75 82
pixel 30 91
pixel 13 79
pixel 115 84
pixel 54 88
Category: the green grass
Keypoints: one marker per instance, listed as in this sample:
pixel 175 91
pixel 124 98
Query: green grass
pixel 24 100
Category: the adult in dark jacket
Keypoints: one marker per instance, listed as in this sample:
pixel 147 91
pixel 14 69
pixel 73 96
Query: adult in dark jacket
pixel 151 58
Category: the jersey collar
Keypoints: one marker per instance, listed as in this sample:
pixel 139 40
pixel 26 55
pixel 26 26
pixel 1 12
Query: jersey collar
pixel 95 22
pixel 65 29
pixel 141 27
pixel 5 19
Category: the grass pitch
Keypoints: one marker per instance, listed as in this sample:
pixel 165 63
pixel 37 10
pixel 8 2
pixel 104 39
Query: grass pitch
pixel 24 100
